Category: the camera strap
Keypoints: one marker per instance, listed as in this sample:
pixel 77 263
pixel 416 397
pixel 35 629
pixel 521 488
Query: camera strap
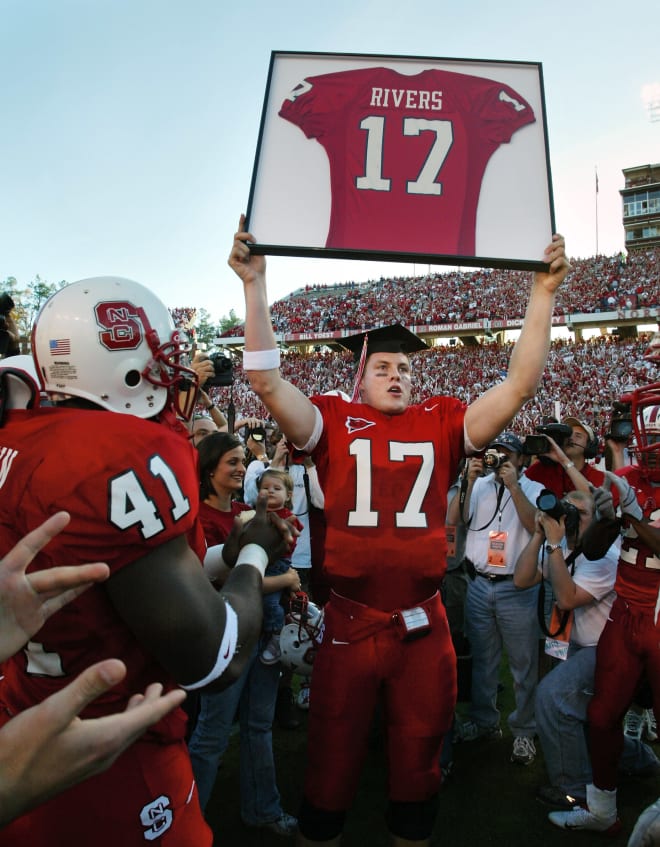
pixel 565 615
pixel 500 495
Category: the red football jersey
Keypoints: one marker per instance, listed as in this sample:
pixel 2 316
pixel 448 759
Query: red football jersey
pixel 638 573
pixel 130 485
pixel 385 479
pixel 407 154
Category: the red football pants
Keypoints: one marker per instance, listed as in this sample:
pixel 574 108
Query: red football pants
pixel 363 659
pixel 147 797
pixel 629 646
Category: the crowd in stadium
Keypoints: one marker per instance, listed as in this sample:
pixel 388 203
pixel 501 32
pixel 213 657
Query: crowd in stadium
pixel 597 284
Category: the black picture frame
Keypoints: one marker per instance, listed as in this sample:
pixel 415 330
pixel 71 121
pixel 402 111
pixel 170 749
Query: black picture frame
pixel 451 167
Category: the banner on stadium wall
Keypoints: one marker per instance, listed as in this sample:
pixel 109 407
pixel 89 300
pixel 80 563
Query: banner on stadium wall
pixel 403 158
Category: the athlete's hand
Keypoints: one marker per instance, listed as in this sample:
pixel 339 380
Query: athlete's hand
pixel 627 497
pixel 28 600
pixel 555 256
pixel 247 266
pixel 269 531
pixel 603 502
pixel 48 748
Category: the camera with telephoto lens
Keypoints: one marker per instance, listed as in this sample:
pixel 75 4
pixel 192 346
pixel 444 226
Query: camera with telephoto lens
pixel 621 425
pixel 548 502
pixel 222 370
pixel 538 445
pixel 493 459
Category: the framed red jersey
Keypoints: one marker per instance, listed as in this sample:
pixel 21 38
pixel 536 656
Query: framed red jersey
pixel 404 159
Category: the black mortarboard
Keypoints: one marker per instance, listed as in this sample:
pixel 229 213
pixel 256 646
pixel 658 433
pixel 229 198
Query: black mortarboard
pixel 384 339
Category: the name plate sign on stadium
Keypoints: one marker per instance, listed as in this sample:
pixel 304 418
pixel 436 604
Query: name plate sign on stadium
pixel 398 158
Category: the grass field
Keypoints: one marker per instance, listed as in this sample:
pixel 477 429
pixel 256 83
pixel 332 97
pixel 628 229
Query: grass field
pixel 487 801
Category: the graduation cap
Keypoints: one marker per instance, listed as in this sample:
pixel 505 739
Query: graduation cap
pixel 385 339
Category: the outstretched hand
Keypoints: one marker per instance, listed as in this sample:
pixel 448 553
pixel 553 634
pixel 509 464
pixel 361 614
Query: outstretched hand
pixel 28 600
pixel 555 256
pixel 48 748
pixel 603 501
pixel 269 531
pixel 627 497
pixel 248 266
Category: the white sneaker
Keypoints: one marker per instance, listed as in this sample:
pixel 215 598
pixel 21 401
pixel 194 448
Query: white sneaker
pixel 650 730
pixel 302 700
pixel 633 724
pixel 524 751
pixel 647 828
pixel 271 652
pixel 580 818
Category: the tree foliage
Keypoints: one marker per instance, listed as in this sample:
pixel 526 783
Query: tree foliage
pixel 28 300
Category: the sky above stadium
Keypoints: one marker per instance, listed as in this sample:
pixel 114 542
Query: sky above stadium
pixel 129 127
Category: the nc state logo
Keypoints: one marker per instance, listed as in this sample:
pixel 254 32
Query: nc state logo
pixel 357 424
pixel 122 325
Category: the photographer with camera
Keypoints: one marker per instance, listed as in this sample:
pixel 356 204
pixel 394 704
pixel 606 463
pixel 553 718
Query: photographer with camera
pixel 496 505
pixel 563 450
pixel 584 594
pixel 9 336
pixel 628 650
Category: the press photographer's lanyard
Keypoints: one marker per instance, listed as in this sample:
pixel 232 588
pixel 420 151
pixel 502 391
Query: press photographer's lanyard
pixel 497 511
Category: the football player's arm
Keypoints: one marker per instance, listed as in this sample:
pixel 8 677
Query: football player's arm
pixel 648 533
pixel 293 412
pixel 48 748
pixel 168 602
pixel 492 411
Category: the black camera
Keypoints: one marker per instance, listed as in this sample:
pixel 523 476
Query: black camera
pixel 222 370
pixel 258 433
pixel 621 425
pixel 538 445
pixel 493 459
pixel 548 502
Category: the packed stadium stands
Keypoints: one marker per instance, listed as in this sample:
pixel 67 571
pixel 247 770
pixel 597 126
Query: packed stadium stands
pixel 582 377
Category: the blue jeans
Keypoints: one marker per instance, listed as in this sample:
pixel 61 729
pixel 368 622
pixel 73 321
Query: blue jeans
pixel 497 615
pixel 273 612
pixel 255 695
pixel 562 699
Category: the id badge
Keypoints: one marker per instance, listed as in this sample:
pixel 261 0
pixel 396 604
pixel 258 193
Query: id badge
pixel 497 548
pixel 557 646
pixel 450 534
pixel 415 623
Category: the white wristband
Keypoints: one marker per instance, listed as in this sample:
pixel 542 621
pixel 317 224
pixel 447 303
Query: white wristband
pixel 261 360
pixel 225 653
pixel 214 563
pixel 569 465
pixel 253 554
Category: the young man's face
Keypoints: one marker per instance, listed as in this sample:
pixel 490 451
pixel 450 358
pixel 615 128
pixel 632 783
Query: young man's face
pixel 386 383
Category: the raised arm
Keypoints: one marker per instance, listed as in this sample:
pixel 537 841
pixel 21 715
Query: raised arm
pixel 293 411
pixel 493 411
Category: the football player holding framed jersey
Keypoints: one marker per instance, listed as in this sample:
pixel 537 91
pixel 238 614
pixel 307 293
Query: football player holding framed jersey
pixel 385 467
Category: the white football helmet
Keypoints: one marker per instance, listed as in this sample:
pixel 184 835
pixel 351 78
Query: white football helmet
pixel 645 412
pixel 113 342
pixel 301 635
pixel 19 383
